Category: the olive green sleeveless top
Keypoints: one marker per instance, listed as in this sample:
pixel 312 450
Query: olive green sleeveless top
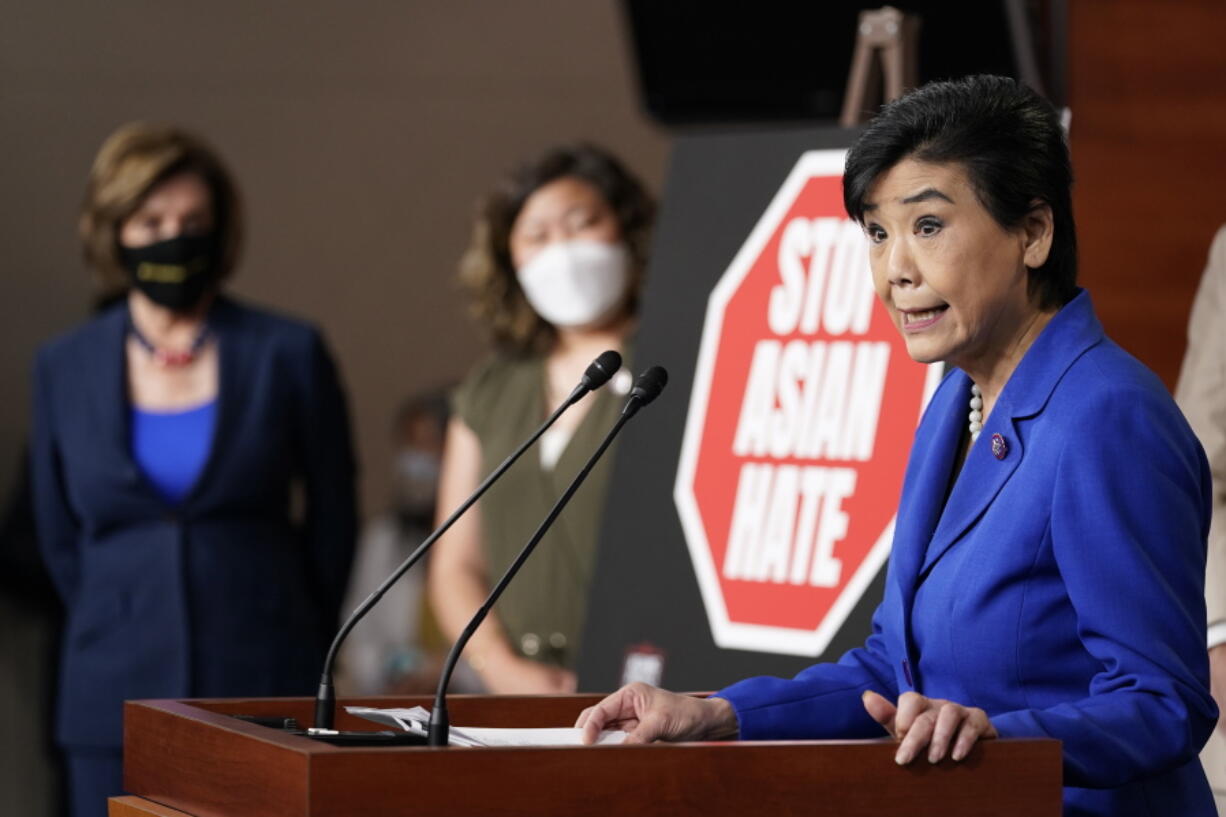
pixel 503 401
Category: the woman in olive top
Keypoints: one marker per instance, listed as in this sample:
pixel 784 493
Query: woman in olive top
pixel 554 269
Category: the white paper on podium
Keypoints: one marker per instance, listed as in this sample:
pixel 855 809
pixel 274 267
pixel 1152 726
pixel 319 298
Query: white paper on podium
pixel 416 719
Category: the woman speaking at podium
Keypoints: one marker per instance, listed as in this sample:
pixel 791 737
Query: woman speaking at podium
pixel 1048 559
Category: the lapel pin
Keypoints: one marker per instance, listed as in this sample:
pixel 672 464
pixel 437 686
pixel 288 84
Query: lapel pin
pixel 1000 448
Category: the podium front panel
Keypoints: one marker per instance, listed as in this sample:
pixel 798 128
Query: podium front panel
pixel 191 756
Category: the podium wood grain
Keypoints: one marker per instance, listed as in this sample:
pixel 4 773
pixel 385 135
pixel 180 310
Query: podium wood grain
pixel 191 757
pixel 139 807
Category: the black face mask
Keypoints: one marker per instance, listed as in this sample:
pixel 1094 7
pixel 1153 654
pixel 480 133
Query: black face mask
pixel 174 273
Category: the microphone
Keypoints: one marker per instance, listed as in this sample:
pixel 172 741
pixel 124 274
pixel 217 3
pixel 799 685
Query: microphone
pixel 596 375
pixel 647 388
pixel 600 371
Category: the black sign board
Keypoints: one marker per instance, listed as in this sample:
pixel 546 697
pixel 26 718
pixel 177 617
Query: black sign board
pixel 645 610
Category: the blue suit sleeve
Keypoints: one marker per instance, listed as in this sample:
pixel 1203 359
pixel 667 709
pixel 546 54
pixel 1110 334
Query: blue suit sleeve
pixel 1128 526
pixel 822 701
pixel 56 523
pixel 329 472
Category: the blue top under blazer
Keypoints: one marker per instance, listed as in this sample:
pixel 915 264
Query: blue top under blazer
pixel 221 594
pixel 1059 588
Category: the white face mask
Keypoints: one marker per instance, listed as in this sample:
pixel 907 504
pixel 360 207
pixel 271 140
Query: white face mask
pixel 415 480
pixel 576 283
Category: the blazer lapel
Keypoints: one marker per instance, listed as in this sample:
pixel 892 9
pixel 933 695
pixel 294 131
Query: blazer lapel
pixel 1072 331
pixel 109 391
pixel 928 473
pixel 231 374
pixel 983 475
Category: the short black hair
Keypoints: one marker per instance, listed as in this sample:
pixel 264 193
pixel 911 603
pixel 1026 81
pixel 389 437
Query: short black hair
pixel 1009 140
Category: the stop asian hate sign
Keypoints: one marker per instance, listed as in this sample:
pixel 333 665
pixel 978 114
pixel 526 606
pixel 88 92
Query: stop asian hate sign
pixel 801 419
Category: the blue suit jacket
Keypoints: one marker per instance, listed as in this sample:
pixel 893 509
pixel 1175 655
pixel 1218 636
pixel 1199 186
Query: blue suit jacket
pixel 1059 588
pixel 221 595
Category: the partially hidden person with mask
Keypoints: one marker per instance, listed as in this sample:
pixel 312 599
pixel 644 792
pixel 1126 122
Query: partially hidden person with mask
pixel 170 434
pixel 554 269
pixel 398 648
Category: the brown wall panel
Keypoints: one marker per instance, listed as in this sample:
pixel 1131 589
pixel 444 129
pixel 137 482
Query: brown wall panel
pixel 1147 89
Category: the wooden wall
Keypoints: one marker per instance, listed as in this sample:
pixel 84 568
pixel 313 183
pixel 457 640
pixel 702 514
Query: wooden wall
pixel 1147 89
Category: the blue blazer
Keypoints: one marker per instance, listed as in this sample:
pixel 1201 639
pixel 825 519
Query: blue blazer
pixel 223 594
pixel 1059 588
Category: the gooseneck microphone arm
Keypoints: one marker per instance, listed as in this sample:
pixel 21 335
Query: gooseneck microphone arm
pixel 646 389
pixel 597 374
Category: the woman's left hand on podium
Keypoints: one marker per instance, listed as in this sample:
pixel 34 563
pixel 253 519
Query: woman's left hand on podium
pixel 943 727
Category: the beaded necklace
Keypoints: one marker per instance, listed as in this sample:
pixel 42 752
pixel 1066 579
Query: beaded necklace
pixel 170 358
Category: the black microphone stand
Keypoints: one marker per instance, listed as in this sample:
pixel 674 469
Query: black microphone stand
pixel 325 698
pixel 647 388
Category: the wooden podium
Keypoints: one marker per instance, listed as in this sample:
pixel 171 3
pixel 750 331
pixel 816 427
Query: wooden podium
pixel 192 758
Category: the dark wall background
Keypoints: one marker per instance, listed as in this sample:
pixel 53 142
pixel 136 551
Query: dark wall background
pixel 778 60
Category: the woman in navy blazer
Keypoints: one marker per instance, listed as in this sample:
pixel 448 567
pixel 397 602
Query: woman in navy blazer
pixel 171 434
pixel 1048 560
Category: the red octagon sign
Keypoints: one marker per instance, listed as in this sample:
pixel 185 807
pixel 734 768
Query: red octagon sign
pixel 801 419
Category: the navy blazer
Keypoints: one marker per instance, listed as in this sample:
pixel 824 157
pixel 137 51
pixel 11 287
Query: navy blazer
pixel 1060 587
pixel 220 595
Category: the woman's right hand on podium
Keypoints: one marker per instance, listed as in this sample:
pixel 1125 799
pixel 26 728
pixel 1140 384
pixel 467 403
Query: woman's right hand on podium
pixel 649 714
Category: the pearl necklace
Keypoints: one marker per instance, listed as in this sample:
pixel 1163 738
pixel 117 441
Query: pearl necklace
pixel 976 416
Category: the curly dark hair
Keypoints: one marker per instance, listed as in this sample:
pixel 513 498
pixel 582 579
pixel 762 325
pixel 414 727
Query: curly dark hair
pixel 486 269
pixel 1014 150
